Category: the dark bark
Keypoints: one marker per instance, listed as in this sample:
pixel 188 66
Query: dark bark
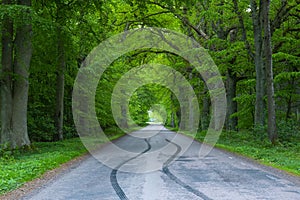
pixel 242 26
pixel 205 110
pixel 289 108
pixel 281 16
pixel 231 81
pixel 123 120
pixel 172 121
pixel 259 65
pixel 60 78
pixel 272 132
pixel 15 92
pixel 6 78
pixel 184 118
pixel 60 82
pixel 178 115
pixel 23 54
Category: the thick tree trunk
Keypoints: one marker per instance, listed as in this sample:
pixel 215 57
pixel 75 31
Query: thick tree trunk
pixel 6 79
pixel 259 65
pixel 231 122
pixel 272 133
pixel 23 53
pixel 15 93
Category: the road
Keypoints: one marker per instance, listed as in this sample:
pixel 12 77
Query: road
pixel 218 176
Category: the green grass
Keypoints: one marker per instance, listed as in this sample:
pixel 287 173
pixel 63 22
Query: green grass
pixel 284 155
pixel 19 167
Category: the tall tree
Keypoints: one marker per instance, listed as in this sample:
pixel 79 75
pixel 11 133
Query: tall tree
pixel 269 71
pixel 6 77
pixel 259 65
pixel 14 87
pixel 60 77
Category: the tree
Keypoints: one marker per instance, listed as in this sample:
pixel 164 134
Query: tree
pixel 259 64
pixel 272 132
pixel 14 87
pixel 60 77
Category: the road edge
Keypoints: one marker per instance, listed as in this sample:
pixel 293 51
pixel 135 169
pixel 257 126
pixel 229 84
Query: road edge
pixel 270 169
pixel 49 176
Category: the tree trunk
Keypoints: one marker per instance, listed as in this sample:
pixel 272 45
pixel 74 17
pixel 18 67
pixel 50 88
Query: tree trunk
pixel 172 122
pixel 259 65
pixel 6 79
pixel 60 78
pixel 272 133
pixel 172 119
pixel 205 110
pixel 15 93
pixel 191 103
pixel 191 122
pixel 184 118
pixel 124 123
pixel 231 122
pixel 60 86
pixel 23 54
pixel 289 108
pixel 178 116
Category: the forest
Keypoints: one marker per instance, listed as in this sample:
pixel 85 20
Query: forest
pixel 255 45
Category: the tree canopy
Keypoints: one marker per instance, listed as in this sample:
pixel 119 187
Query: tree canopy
pixel 255 45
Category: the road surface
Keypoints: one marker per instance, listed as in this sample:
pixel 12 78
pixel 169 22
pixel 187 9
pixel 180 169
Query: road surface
pixel 218 176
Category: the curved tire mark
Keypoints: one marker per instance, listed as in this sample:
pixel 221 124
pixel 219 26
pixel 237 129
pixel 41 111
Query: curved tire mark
pixel 113 175
pixel 176 179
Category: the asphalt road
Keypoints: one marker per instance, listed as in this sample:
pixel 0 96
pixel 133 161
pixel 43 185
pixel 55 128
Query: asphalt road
pixel 181 176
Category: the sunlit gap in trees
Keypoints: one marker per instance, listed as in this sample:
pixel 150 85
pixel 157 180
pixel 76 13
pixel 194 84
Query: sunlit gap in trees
pixel 157 114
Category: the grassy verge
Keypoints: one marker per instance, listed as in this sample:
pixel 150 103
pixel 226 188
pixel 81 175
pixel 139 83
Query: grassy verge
pixel 284 156
pixel 19 167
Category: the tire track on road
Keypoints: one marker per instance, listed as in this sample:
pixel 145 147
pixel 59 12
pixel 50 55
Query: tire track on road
pixel 113 175
pixel 176 179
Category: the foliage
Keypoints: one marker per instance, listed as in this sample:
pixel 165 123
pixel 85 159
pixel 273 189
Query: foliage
pixel 288 132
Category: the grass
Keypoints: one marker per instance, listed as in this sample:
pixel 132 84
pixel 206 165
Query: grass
pixel 284 155
pixel 19 167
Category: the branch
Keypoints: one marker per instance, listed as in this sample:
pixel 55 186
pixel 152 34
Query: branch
pixel 244 31
pixel 145 17
pixel 152 51
pixel 281 15
pixel 197 30
pixel 183 20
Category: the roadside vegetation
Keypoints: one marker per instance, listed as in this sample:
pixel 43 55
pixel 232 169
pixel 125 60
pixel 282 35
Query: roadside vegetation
pixel 20 166
pixel 285 155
